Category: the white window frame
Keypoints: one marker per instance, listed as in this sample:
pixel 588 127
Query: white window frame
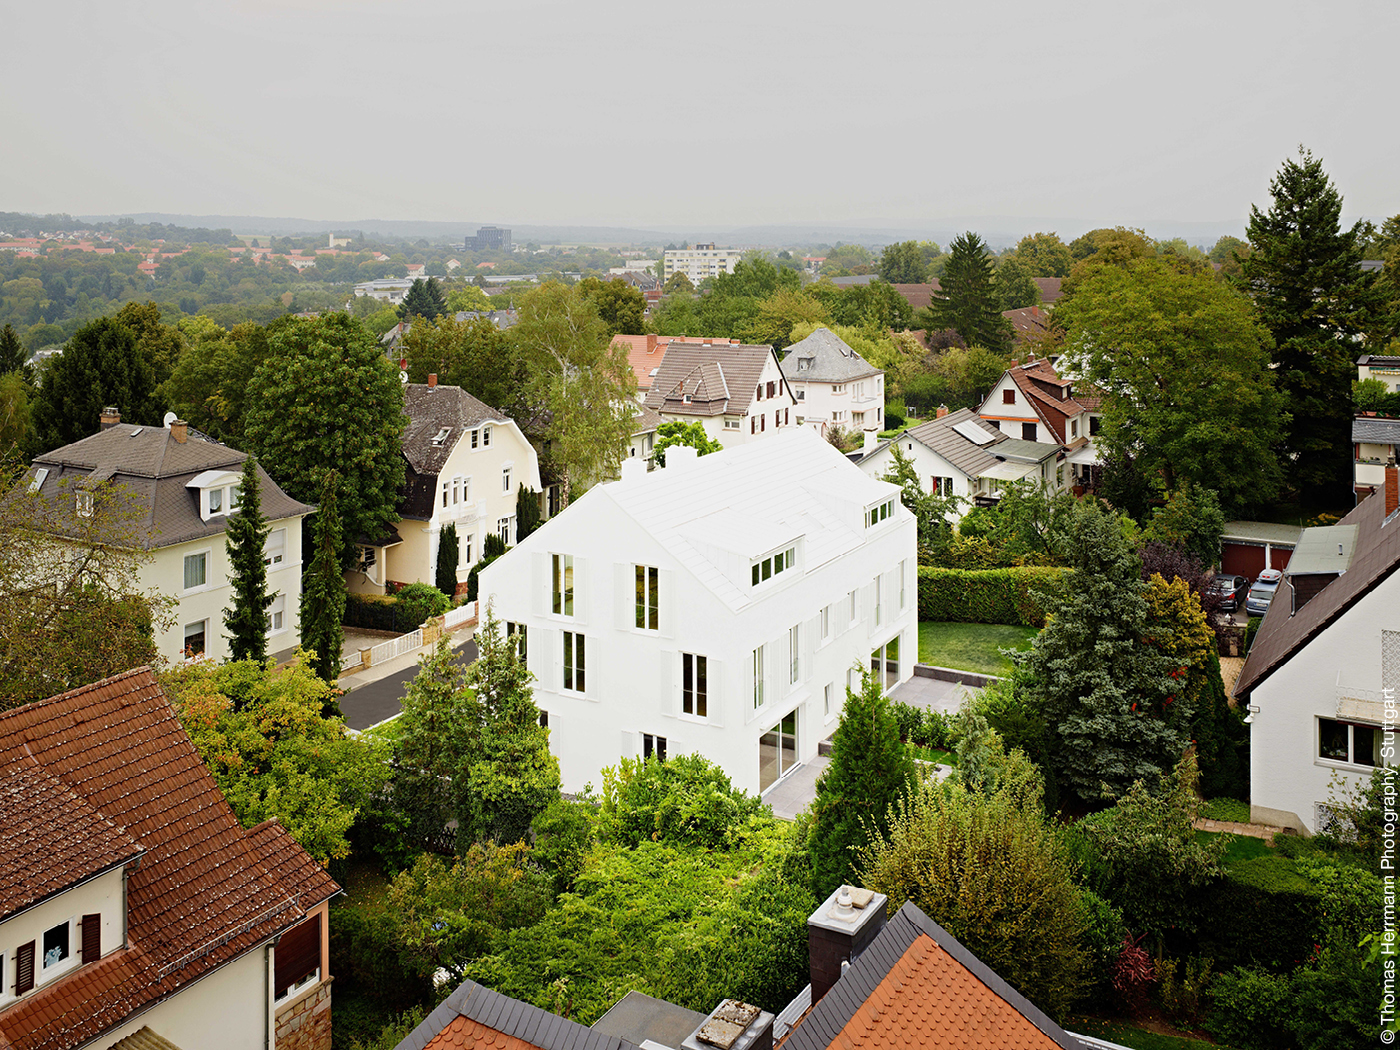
pixel 464 550
pixel 731 422
pixel 206 554
pixel 772 565
pixel 277 609
pixel 879 599
pixel 486 435
pixel 1350 761
pixel 646 597
pixel 446 493
pixel 794 654
pixel 505 481
pixel 695 695
pixel 186 634
pixel 575 663
pixel 903 572
pixel 209 496
pixel 43 972
pixel 563 583
pixel 82 504
pixel 759 659
pixel 235 497
pixel 854 606
pixel 826 623
pixel 503 529
pixel 314 977
pixel 271 558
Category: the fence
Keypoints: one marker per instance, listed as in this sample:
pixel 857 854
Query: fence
pixel 404 643
pixel 458 616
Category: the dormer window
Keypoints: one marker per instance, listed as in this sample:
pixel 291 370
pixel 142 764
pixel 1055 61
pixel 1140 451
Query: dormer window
pixel 878 513
pixel 216 501
pixel 771 565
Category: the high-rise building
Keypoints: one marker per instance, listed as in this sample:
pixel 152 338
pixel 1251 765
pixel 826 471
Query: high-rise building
pixel 489 238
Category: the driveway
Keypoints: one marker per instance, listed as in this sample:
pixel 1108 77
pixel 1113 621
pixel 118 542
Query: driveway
pixel 373 702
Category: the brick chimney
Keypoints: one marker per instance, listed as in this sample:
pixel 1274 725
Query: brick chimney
pixel 1392 486
pixel 180 431
pixel 838 931
pixel 942 411
pixel 110 417
pixel 651 342
pixel 432 380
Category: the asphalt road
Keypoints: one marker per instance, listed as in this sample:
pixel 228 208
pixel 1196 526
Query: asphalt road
pixel 373 703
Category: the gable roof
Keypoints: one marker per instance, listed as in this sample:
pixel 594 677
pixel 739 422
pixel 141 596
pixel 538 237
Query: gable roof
pixel 918 296
pixel 916 984
pixel 719 378
pixel 154 470
pixel 474 1016
pixel 646 352
pixel 824 357
pixel 1046 392
pixel 939 436
pixel 645 421
pixel 1049 289
pixel 202 895
pixel 1375 556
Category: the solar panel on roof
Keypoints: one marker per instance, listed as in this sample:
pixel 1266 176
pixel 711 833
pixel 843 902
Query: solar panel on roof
pixel 970 430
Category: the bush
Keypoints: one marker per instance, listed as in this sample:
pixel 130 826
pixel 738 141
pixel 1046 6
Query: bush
pixel 1103 941
pixel 1265 912
pixel 473 583
pixel 1251 631
pixel 684 800
pixel 401 612
pixel 419 602
pixel 893 420
pixel 1227 809
pixel 1250 1009
pixel 1016 596
pixel 366 962
pixel 920 726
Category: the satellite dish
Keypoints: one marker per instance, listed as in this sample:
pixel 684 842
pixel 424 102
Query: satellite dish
pixel 170 417
pixel 403 377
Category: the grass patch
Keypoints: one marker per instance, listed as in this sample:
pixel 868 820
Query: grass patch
pixel 1137 1038
pixel 1238 847
pixel 1231 809
pixel 933 754
pixel 972 646
pixel 392 730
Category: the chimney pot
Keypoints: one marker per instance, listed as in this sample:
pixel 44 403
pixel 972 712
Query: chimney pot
pixel 180 431
pixel 110 417
pixel 838 931
pixel 432 379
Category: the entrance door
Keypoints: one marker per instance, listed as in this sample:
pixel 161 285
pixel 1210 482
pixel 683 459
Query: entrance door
pixel 777 751
pixel 886 660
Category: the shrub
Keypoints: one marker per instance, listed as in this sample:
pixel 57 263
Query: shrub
pixel 492 546
pixel 563 833
pixel 1103 941
pixel 1227 809
pixel 1250 1009
pixel 893 420
pixel 1265 912
pixel 473 583
pixel 1181 988
pixel 684 800
pixel 1016 596
pixel 1251 631
pixel 371 612
pixel 403 611
pixel 419 602
pixel 921 726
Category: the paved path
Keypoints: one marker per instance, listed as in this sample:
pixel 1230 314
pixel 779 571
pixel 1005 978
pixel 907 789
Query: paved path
pixel 373 697
pixel 794 793
pixel 932 694
pixel 1232 827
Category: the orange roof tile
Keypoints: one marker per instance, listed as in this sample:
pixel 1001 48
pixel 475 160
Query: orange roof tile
pixel 464 1032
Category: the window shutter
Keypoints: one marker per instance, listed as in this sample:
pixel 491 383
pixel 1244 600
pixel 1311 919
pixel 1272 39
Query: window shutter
pixel 624 596
pixel 714 691
pixel 24 968
pixel 546 657
pixel 666 586
pixel 669 687
pixel 541 586
pixel 580 589
pixel 631 744
pixel 298 954
pixel 92 938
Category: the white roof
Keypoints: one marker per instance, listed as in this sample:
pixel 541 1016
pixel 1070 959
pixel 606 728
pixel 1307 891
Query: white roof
pixel 1008 471
pixel 1085 454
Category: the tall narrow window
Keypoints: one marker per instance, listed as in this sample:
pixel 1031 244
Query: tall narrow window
pixel 564 584
pixel 476 436
pixel 520 633
pixel 573 661
pixel 695 685
pixel 275 547
pixel 196 570
pixel 758 676
pixel 826 622
pixel 653 747
pixel 446 492
pixel 486 436
pixel 647 605
pixel 826 699
pixel 456 491
pixel 902 575
pixel 879 593
pixel 851 601
pixel 505 480
pixel 794 653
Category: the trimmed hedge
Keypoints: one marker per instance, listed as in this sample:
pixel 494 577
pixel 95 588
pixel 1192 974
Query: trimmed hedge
pixel 402 612
pixel 1265 912
pixel 1010 596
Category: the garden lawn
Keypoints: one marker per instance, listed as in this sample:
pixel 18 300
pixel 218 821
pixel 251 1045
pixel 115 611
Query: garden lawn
pixel 972 646
pixel 1128 1035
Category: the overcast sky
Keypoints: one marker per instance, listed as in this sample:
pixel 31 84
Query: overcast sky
pixel 710 112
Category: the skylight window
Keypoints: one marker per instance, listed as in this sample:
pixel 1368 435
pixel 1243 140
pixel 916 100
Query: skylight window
pixel 442 436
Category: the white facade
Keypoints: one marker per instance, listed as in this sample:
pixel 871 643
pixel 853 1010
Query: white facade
pixel 855 405
pixel 1335 679
pixel 702 261
pixel 936 474
pixel 772 409
pixel 716 606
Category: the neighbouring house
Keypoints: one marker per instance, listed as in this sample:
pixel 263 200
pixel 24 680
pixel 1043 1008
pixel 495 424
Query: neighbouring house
pixel 645 353
pixel 1374 442
pixel 135 912
pixel 502 319
pixel 875 985
pixel 1032 402
pixel 182 487
pixel 1378 366
pixel 701 262
pixel 643 443
pixel 958 454
pixel 386 289
pixel 465 462
pixel 1325 658
pixel 1247 548
pixel 737 392
pixel 834 385
pixel 1029 323
pixel 721 605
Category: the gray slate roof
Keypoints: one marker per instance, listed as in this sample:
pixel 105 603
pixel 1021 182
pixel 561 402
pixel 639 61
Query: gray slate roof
pixel 824 357
pixel 645 421
pixel 432 409
pixel 720 378
pixel 939 435
pixel 510 1017
pixel 1374 431
pixel 153 468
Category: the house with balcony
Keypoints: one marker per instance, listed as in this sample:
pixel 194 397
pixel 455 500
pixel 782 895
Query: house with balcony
pixel 737 393
pixel 1374 441
pixel 465 462
pixel 1033 402
pixel 180 488
pixel 721 605
pixel 1379 366
pixel 1322 663
pixel 135 912
pixel 959 454
pixel 834 385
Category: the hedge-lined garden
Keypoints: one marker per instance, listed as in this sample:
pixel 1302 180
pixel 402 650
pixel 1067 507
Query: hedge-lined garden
pixel 1009 596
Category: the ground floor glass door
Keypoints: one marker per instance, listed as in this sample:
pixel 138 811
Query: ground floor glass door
pixel 777 751
pixel 886 660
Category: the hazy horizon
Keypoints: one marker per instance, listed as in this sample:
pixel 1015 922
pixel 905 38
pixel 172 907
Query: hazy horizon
pixel 719 118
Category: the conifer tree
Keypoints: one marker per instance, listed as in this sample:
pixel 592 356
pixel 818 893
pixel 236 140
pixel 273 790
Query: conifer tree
pixel 970 301
pixel 247 532
pixel 323 590
pixel 527 512
pixel 870 771
pixel 424 299
pixel 446 576
pixel 11 351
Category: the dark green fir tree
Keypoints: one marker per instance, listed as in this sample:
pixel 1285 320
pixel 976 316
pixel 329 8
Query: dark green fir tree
pixel 970 300
pixel 247 531
pixel 446 576
pixel 323 588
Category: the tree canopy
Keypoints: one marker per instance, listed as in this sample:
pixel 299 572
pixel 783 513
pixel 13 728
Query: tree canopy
pixel 423 299
pixel 675 432
pixel 903 263
pixel 473 354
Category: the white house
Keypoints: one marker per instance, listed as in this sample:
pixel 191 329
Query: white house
pixel 135 912
pixel 957 454
pixel 1379 366
pixel 834 385
pixel 1033 402
pixel 465 463
pixel 737 392
pixel 182 488
pixel 1318 671
pixel 720 606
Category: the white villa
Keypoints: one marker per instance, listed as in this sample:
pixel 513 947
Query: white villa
pixel 721 605
pixel 834 385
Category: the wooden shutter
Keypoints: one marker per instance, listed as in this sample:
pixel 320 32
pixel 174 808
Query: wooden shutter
pixel 24 968
pixel 298 954
pixel 92 938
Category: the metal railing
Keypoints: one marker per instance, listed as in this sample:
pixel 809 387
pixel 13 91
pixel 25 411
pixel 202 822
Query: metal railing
pixel 404 643
pixel 458 616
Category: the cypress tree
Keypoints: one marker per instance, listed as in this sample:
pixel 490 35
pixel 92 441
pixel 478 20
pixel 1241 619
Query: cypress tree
pixel 446 577
pixel 244 539
pixel 870 770
pixel 12 353
pixel 527 512
pixel 323 592
pixel 970 301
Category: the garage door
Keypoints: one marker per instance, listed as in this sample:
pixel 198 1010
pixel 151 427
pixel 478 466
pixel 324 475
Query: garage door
pixel 1247 559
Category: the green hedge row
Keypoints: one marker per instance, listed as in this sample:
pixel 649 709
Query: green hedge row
pixel 1009 596
pixel 1265 912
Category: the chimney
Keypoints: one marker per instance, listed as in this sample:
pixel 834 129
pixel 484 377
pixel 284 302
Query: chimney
pixel 651 342
pixel 634 468
pixel 110 417
pixel 1392 486
pixel 732 1025
pixel 838 931
pixel 680 457
pixel 432 380
pixel 871 439
pixel 180 431
pixel 942 411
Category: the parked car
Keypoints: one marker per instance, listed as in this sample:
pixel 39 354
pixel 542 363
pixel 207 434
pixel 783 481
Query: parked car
pixel 1262 593
pixel 1231 591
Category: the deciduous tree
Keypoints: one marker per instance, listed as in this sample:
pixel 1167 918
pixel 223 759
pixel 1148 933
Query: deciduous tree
pixel 675 432
pixel 903 263
pixel 473 354
pixel 246 618
pixel 1044 255
pixel 621 306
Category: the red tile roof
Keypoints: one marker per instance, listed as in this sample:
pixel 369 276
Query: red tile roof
pixel 473 1035
pixel 202 894
pixel 1045 390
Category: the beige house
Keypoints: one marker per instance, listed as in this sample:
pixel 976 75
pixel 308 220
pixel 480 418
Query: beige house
pixel 135 912
pixel 465 464
pixel 183 487
pixel 737 392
